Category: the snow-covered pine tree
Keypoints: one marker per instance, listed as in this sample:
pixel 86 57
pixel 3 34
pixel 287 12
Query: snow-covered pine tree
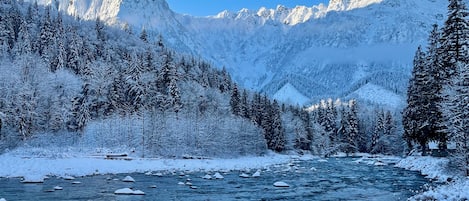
pixel 6 32
pixel 144 35
pixel 352 128
pixel 244 105
pixel 235 101
pixel 23 45
pixel 457 115
pixel 136 90
pixel 278 134
pixel 46 36
pixel 100 36
pixel 80 110
pixel 75 45
pixel 378 133
pixel 416 127
pixel 60 55
pixel 174 95
pixel 454 50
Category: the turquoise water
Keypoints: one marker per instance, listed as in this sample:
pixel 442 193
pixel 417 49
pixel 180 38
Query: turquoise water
pixel 337 179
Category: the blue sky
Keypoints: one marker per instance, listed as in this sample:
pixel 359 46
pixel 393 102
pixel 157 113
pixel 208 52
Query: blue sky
pixel 212 7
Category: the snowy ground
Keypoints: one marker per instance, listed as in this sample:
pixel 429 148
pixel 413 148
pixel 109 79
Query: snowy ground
pixel 36 169
pixel 434 168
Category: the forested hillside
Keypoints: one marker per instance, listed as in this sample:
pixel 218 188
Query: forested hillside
pixel 70 82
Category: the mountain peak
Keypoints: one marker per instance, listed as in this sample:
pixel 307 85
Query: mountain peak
pixel 344 5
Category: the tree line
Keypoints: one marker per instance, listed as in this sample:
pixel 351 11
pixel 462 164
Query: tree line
pixel 437 95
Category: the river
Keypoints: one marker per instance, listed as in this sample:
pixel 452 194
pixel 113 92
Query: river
pixel 336 179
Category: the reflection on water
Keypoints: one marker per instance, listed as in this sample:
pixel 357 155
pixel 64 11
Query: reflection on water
pixel 338 179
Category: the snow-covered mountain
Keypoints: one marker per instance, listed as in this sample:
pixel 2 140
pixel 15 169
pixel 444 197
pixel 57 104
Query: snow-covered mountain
pixel 314 52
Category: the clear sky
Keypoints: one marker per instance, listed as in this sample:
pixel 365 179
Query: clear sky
pixel 213 7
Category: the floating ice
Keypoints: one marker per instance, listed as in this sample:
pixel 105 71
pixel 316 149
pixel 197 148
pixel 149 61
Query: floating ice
pixel 58 188
pixel 244 175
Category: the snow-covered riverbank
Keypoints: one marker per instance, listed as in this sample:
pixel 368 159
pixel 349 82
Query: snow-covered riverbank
pixel 435 168
pixel 34 168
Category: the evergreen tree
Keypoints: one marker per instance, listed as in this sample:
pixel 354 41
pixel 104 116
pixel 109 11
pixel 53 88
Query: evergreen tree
pixel 244 105
pixel 80 110
pixel 351 128
pixel 457 115
pixel 378 133
pixel 235 101
pixel 46 36
pixel 144 36
pixel 415 121
pixel 278 135
pixel 75 45
pixel 23 45
pixel 454 50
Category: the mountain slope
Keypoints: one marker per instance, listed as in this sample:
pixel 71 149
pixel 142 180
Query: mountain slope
pixel 333 46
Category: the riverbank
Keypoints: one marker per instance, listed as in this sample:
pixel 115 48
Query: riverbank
pixel 37 168
pixel 455 188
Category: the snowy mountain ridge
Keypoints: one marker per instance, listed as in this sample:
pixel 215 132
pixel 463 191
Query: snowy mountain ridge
pixel 321 51
pixel 297 15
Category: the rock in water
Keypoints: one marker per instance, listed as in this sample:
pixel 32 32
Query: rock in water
pixel 128 191
pixel 322 160
pixel 207 177
pixel 218 176
pixel 257 174
pixel 379 164
pixel 281 184
pixel 69 178
pixel 128 179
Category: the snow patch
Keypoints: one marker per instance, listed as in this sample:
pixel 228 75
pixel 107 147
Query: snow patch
pixel 377 94
pixel 289 94
pixel 15 165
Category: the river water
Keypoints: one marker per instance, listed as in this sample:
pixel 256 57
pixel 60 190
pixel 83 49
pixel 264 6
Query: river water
pixel 336 179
